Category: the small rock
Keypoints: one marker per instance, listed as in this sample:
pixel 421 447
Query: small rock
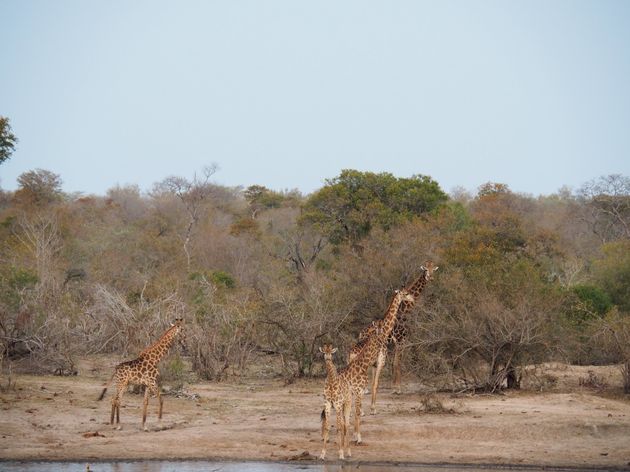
pixel 304 456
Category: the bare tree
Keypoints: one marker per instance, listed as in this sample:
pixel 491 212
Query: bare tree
pixel 302 249
pixel 607 206
pixel 39 234
pixel 118 326
pixel 481 336
pixel 298 317
pixel 192 193
pixel 612 334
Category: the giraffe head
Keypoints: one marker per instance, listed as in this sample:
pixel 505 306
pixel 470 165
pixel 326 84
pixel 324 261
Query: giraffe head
pixel 179 332
pixel 158 350
pixel 327 350
pixel 428 270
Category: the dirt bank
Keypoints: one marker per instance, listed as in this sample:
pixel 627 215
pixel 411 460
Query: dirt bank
pixel 59 418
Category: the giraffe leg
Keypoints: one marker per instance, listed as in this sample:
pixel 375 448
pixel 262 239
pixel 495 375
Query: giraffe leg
pixel 347 408
pixel 380 362
pixel 357 419
pixel 325 428
pixel 160 402
pixel 340 430
pixel 396 368
pixel 156 391
pixel 111 419
pixel 116 401
pixel 145 404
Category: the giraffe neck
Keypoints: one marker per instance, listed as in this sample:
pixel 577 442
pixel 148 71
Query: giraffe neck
pixel 331 369
pixel 415 288
pixel 159 349
pixel 390 317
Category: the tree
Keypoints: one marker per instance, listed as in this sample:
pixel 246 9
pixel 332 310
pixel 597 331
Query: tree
pixel 260 198
pixel 483 329
pixel 612 335
pixel 493 188
pixel 607 206
pixel 40 235
pixel 39 187
pixel 612 272
pixel 350 205
pixel 192 193
pixel 7 139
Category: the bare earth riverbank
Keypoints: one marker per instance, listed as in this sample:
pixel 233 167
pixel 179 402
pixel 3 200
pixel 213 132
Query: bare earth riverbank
pixel 58 418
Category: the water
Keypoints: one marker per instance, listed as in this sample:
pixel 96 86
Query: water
pixel 204 466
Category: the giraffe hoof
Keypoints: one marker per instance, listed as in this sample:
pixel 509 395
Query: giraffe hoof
pixel 118 428
pixel 322 456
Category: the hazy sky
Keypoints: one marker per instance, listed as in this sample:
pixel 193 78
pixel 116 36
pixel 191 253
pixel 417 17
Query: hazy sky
pixel 535 94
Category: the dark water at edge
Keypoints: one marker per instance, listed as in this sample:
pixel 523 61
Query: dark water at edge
pixel 206 466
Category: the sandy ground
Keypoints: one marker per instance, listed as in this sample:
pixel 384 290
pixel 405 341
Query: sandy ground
pixel 47 417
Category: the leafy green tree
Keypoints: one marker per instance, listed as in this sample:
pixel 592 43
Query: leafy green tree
pixel 261 198
pixel 349 206
pixel 588 303
pixel 7 139
pixel 612 272
pixel 595 300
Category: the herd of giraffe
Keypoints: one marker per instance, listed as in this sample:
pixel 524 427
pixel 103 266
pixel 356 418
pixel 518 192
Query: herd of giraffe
pixel 342 387
pixel 345 386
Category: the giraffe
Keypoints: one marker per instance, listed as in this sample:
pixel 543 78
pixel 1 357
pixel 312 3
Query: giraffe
pixel 369 352
pixel 142 371
pixel 398 333
pixel 337 395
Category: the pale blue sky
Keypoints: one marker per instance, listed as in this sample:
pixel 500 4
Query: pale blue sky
pixel 535 94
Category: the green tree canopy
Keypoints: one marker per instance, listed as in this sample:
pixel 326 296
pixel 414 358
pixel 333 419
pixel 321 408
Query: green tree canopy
pixel 612 272
pixel 350 205
pixel 260 197
pixel 7 140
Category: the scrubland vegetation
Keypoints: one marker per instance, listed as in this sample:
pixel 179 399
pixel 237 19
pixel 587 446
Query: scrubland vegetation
pixel 256 272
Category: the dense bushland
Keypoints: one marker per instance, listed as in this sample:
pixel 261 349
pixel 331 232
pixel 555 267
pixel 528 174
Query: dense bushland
pixel 255 272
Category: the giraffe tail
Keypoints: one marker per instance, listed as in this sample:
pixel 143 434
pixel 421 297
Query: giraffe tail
pixel 106 386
